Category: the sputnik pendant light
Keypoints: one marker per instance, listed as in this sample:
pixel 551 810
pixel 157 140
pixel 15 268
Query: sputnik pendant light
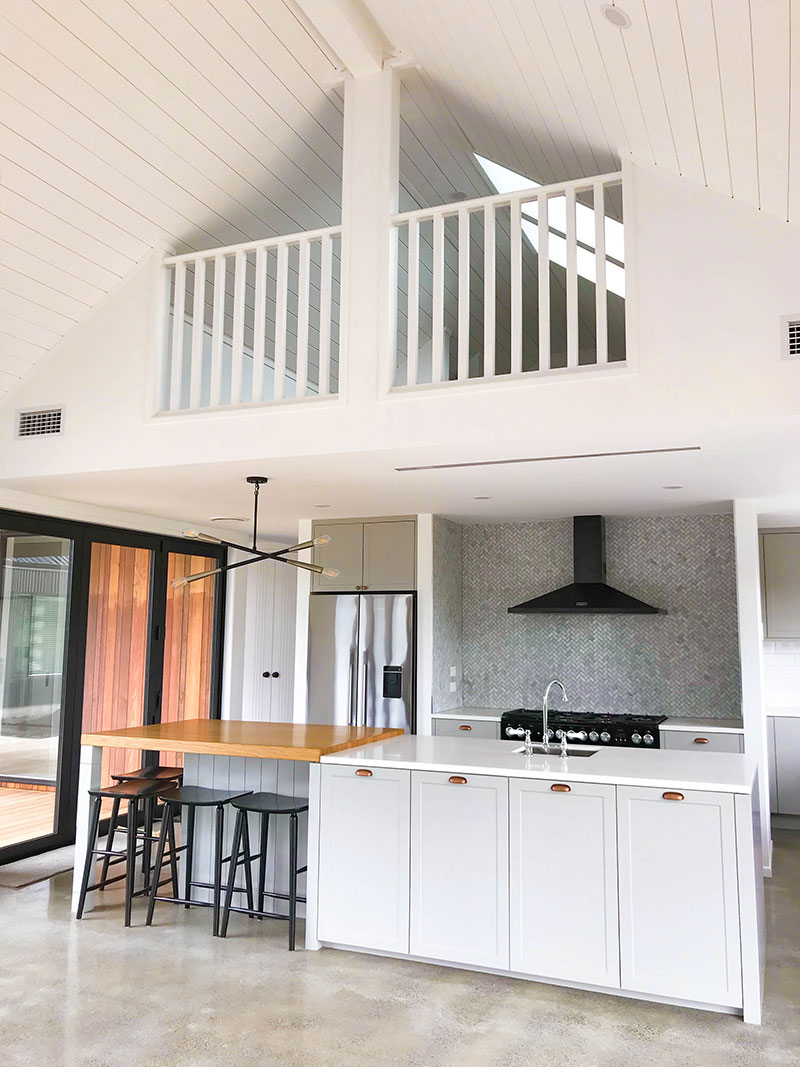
pixel 257 555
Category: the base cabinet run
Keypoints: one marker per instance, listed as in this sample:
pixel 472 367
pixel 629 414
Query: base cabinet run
pixel 459 868
pixel 608 886
pixel 679 906
pixel 564 881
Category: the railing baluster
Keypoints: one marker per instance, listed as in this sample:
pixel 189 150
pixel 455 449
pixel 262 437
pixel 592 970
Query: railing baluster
pixel 281 295
pixel 178 324
pixel 463 294
pixel 572 282
pixel 302 317
pixel 198 333
pixel 437 342
pixel 259 324
pixel 543 231
pixel 326 284
pixel 516 286
pixel 412 341
pixel 489 300
pixel 237 337
pixel 217 331
pixel 601 305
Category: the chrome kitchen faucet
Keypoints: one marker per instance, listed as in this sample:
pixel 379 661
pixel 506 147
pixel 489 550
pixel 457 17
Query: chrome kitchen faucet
pixel 545 699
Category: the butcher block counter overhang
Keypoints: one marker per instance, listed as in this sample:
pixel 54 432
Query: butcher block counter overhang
pixel 305 742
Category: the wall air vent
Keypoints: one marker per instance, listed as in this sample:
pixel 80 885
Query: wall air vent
pixel 39 422
pixel 790 337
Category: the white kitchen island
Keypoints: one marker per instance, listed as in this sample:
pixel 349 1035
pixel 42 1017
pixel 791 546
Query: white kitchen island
pixel 629 872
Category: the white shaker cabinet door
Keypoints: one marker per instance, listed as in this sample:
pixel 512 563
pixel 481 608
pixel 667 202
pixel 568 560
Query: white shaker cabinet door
pixel 364 857
pixel 459 868
pixel 563 862
pixel 787 764
pixel 679 904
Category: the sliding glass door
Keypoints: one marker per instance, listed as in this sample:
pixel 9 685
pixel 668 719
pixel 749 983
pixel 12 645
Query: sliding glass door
pixel 35 586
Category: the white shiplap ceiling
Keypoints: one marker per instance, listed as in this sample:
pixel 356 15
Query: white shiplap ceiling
pixel 127 125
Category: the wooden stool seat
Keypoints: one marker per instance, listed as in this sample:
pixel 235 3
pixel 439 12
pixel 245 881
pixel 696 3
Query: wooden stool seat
pixel 153 774
pixel 270 803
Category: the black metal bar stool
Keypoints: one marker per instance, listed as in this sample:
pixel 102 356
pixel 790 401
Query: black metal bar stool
pixel 192 797
pixel 135 792
pixel 151 774
pixel 263 804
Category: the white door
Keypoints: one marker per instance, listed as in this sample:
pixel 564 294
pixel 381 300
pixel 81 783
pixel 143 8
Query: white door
pixel 679 904
pixel 459 868
pixel 787 764
pixel 563 862
pixel 364 857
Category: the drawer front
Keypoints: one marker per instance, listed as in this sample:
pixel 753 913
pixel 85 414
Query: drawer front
pixel 466 728
pixel 697 741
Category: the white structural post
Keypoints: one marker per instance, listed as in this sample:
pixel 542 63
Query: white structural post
pixel 424 623
pixel 748 600
pixel 369 197
pixel 300 699
pixel 88 778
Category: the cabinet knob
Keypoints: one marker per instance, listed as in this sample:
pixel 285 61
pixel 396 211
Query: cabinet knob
pixel 465 727
pixel 560 787
pixel 276 674
pixel 701 740
pixel 266 674
pixel 362 772
pixel 672 796
pixel 457 779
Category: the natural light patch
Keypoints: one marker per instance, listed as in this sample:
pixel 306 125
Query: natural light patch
pixel 504 180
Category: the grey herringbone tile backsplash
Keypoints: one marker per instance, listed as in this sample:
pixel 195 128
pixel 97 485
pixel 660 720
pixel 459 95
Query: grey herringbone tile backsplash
pixel 682 663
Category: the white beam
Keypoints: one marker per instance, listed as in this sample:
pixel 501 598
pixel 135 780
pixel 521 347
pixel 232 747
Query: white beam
pixel 748 603
pixel 350 31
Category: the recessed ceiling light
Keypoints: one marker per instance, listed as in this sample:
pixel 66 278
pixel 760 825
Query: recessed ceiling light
pixel 227 518
pixel 482 498
pixel 616 16
pixel 322 505
pixel 672 487
pixel 456 196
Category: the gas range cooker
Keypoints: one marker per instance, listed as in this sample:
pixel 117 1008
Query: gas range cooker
pixel 586 728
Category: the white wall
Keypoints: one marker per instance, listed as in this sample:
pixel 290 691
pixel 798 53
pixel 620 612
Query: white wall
pixel 709 280
pixel 782 674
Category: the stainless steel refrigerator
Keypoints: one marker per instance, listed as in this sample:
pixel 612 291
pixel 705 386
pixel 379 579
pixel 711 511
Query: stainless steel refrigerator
pixel 361 660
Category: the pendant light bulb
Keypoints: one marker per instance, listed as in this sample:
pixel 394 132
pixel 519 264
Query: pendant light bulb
pixel 176 583
pixel 323 540
pixel 330 572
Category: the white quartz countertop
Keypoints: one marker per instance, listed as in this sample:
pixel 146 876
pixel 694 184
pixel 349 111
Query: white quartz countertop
pixel 714 771
pixel 706 726
pixel 487 714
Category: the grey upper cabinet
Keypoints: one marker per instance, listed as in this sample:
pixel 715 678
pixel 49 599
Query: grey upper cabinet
pixel 344 554
pixel 780 561
pixel 377 556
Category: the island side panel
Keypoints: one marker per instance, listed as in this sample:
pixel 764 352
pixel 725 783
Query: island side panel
pixel 89 777
pixel 752 921
pixel 312 878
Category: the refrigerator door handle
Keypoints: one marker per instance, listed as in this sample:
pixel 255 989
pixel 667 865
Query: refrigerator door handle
pixel 351 684
pixel 364 723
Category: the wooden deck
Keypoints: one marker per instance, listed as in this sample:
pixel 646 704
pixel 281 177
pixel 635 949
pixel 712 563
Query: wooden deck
pixel 25 814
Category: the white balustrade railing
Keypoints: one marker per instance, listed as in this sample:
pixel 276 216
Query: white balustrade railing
pixel 507 285
pixel 253 323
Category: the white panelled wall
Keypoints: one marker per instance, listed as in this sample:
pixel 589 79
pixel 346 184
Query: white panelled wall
pixel 259 639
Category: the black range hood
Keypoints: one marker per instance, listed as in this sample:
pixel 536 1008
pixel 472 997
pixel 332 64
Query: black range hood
pixel 588 594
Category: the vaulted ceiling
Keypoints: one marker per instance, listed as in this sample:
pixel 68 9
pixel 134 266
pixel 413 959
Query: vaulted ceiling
pixel 129 125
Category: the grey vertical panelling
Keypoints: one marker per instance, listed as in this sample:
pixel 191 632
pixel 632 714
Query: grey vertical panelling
pixel 684 663
pixel 447 612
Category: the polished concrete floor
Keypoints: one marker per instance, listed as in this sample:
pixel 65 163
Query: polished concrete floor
pixel 92 994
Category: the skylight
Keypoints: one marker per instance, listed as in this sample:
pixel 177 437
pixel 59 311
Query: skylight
pixel 504 180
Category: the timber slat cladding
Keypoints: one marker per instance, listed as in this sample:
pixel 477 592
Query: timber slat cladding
pixel 306 742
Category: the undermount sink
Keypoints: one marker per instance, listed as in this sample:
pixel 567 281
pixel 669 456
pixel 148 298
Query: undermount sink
pixel 555 750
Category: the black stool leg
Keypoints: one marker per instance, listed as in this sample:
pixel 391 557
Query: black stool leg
pixel 292 878
pixel 162 840
pixel 173 854
pixel 188 856
pixel 219 843
pixel 130 866
pixel 248 863
pixel 112 829
pixel 262 861
pixel 149 817
pixel 94 822
pixel 234 863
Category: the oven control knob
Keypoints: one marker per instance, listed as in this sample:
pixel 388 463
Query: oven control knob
pixel 636 738
pixel 594 735
pixel 559 734
pixel 648 739
pixel 514 731
pixel 605 736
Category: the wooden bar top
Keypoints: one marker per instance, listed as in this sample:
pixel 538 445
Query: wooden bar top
pixel 306 742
